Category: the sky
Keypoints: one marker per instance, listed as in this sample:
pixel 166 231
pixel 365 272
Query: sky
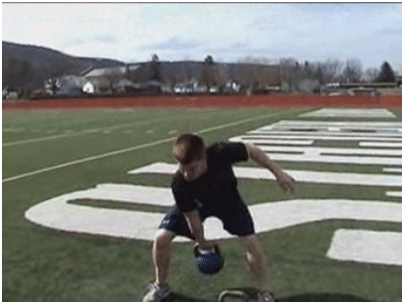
pixel 229 32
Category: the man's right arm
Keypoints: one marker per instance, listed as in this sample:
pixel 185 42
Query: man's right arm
pixel 196 227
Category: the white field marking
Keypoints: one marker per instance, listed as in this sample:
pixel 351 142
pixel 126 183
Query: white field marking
pixel 58 214
pixel 337 124
pixel 130 149
pixel 334 151
pixel 327 133
pixel 366 246
pixel 384 131
pixel 338 178
pixel 334 128
pixel 50 131
pixel 380 144
pixel 394 193
pixel 316 155
pixel 46 138
pixel 365 113
pixel 393 170
pixel 84 132
pixel 12 130
pixel 277 142
pixel 337 159
pixel 259 136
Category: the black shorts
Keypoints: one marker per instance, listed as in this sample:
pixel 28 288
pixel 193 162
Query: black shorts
pixel 237 221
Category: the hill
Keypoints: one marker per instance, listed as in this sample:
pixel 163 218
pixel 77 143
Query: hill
pixel 27 66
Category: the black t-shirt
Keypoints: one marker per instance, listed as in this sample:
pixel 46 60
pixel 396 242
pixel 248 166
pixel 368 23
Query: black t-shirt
pixel 215 191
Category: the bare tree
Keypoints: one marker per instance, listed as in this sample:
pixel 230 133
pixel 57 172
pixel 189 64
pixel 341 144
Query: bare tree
pixel 288 69
pixel 331 70
pixel 371 74
pixel 353 70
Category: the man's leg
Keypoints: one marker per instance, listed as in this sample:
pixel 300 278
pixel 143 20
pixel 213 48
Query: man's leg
pixel 256 260
pixel 161 252
pixel 161 255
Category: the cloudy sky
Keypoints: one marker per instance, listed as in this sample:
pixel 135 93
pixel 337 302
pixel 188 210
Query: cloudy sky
pixel 131 32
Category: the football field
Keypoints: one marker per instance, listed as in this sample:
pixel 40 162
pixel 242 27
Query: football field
pixel 84 191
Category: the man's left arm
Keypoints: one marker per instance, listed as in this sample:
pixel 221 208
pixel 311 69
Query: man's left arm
pixel 286 182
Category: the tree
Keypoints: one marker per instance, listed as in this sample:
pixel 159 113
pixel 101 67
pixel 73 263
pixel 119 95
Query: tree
pixel 331 70
pixel 386 73
pixel 288 76
pixel 209 74
pixel 353 70
pixel 371 74
pixel 155 68
pixel 209 60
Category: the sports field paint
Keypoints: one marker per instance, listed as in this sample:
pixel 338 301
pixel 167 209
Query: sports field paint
pixel 139 147
pixel 58 213
pixel 69 133
pixel 336 178
pixel 61 213
pixel 375 134
pixel 394 193
pixel 366 246
pixel 357 113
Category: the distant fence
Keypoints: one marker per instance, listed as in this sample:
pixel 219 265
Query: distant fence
pixel 213 101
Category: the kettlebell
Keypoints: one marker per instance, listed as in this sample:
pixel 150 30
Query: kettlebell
pixel 208 262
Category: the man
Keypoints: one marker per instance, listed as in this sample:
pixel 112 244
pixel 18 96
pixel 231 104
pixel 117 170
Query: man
pixel 204 186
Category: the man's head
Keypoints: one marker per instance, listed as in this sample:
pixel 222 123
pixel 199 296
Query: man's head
pixel 189 151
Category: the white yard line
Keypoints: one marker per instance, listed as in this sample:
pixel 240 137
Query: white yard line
pixel 393 170
pixel 391 135
pixel 260 136
pixel 88 131
pixel 380 144
pixel 394 193
pixel 69 134
pixel 334 112
pixel 139 147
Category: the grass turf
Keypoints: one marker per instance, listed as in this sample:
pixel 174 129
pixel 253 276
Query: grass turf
pixel 40 264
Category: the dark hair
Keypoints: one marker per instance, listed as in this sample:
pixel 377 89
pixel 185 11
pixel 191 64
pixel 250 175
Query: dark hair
pixel 188 148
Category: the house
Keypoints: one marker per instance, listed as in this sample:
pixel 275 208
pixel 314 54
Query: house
pixel 10 93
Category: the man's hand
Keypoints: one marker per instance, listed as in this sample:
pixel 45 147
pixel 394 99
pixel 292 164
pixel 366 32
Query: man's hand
pixel 206 245
pixel 286 182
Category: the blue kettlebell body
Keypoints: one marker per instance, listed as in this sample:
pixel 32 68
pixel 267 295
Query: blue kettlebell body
pixel 209 263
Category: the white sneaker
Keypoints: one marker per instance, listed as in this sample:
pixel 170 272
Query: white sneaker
pixel 265 296
pixel 157 292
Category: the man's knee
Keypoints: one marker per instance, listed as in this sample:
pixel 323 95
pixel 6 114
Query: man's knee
pixel 250 242
pixel 163 238
pixel 252 247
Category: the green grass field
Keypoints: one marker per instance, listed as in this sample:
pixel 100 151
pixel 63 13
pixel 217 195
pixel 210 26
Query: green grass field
pixel 50 153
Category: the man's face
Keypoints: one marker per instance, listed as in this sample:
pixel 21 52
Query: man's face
pixel 194 170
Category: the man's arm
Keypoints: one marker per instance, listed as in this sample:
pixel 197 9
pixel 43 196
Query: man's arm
pixel 196 227
pixel 286 182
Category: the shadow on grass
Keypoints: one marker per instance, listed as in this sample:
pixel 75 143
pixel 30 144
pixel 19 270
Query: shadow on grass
pixel 252 293
pixel 322 297
pixel 177 297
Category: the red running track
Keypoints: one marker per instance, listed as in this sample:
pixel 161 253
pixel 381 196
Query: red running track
pixel 234 101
